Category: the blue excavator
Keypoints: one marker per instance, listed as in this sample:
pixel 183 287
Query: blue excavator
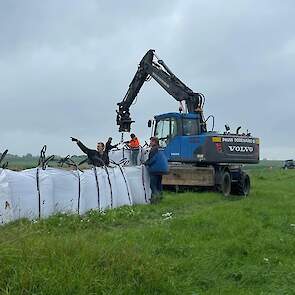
pixel 197 157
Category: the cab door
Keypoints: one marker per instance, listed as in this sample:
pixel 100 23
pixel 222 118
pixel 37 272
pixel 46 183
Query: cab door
pixel 167 131
pixel 190 139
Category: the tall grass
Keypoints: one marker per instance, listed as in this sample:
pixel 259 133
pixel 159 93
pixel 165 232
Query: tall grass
pixel 190 243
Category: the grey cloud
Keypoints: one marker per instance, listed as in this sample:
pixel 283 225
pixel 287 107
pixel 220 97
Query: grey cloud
pixel 65 64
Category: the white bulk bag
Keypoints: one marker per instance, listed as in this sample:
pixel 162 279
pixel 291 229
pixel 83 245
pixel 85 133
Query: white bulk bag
pixel 66 191
pixel 40 183
pixel 90 195
pixel 6 211
pixel 21 194
pixel 120 156
pixel 35 193
pixel 123 156
pixel 139 183
pixel 121 193
pixel 105 189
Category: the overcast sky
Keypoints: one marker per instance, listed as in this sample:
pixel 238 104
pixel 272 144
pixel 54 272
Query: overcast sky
pixel 65 64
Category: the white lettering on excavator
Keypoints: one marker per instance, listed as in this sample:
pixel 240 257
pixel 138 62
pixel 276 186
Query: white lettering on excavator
pixel 160 80
pixel 238 139
pixel 247 140
pixel 227 139
pixel 241 149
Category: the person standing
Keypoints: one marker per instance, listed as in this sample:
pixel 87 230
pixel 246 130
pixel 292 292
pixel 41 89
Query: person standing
pixel 98 157
pixel 157 165
pixel 134 145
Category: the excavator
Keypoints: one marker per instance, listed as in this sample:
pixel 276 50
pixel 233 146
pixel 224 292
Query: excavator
pixel 197 157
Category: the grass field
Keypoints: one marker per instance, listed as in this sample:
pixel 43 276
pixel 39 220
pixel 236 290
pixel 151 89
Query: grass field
pixel 25 162
pixel 191 243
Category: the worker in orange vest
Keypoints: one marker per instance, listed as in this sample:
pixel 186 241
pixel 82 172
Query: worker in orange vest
pixel 134 146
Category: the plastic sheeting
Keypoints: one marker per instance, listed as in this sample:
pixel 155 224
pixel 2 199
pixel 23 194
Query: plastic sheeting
pixel 37 193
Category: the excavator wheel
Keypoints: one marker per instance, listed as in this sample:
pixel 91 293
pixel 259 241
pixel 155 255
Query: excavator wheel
pixel 242 186
pixel 225 186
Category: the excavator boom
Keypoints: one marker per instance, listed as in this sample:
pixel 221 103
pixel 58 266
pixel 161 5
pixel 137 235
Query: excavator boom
pixel 151 66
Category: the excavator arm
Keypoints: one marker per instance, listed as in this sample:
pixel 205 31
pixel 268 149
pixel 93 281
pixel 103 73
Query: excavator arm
pixel 151 66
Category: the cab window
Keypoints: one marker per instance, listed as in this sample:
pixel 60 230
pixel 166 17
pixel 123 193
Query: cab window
pixel 190 127
pixel 163 132
pixel 166 130
pixel 174 130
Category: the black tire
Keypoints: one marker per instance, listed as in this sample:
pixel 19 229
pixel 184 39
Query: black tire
pixel 242 186
pixel 225 186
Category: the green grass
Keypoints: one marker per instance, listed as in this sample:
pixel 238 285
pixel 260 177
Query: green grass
pixel 18 163
pixel 210 245
pixel 25 162
pixel 263 164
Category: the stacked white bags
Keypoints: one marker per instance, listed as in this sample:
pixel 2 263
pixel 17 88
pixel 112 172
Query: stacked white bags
pixel 37 193
pixel 122 156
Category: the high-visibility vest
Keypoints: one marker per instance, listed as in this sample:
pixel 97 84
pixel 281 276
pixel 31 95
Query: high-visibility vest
pixel 134 143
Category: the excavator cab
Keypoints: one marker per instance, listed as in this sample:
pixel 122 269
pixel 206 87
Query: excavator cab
pixel 183 138
pixel 178 134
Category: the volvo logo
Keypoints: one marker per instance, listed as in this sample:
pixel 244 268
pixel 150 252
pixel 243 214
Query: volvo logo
pixel 241 149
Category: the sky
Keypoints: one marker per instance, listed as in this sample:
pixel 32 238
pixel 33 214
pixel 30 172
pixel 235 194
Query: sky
pixel 65 64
